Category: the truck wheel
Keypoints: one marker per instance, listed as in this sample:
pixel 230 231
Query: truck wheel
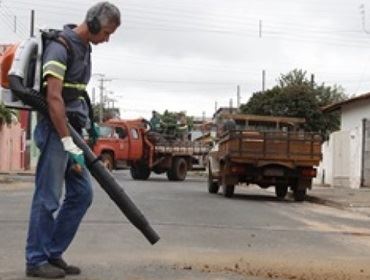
pixel 213 186
pixel 281 191
pixel 178 170
pixel 228 190
pixel 299 194
pixel 140 172
pixel 300 188
pixel 107 160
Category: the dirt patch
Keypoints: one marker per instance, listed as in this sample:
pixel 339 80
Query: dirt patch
pixel 275 269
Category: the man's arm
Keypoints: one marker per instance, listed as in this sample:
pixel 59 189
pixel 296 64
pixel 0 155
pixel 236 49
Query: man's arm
pixel 56 106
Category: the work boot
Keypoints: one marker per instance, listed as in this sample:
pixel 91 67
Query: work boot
pixel 45 270
pixel 68 269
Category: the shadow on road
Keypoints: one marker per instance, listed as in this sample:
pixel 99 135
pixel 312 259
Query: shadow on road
pixel 258 197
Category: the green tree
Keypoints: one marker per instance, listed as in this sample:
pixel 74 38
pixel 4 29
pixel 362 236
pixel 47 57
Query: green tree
pixel 108 113
pixel 173 118
pixel 6 115
pixel 297 96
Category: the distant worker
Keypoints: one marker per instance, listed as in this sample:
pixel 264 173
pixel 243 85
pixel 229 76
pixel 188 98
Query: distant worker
pixel 182 128
pixel 228 126
pixel 66 72
pixel 155 121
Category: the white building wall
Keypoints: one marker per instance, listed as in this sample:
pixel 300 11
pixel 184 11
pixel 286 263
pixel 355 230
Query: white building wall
pixel 342 154
pixel 341 151
pixel 333 169
pixel 325 169
pixel 352 121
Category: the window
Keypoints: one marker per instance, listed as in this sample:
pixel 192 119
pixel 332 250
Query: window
pixel 105 131
pixel 121 132
pixel 134 133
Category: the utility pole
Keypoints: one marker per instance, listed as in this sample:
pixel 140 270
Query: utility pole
pixel 312 80
pixel 101 81
pixel 238 96
pixel 15 24
pixel 32 26
pixel 101 104
pixel 263 80
pixel 260 28
pixel 363 14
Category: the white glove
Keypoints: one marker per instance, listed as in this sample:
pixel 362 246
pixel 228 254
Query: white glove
pixel 75 153
pixel 70 146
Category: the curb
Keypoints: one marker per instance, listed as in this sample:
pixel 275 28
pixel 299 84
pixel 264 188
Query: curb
pixel 12 177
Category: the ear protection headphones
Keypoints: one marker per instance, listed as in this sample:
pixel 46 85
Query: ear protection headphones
pixel 93 23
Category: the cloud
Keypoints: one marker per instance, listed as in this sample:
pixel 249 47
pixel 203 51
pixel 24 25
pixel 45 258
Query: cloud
pixel 186 55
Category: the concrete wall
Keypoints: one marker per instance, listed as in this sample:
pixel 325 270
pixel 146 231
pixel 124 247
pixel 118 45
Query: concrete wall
pixel 342 154
pixel 11 148
pixel 351 121
pixel 333 169
pixel 34 152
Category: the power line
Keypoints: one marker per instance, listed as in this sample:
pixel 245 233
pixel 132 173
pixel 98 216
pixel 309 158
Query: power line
pixel 142 22
pixel 165 15
pixel 181 82
pixel 12 14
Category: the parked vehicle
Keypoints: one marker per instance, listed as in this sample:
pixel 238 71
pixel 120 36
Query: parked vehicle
pixel 130 143
pixel 268 151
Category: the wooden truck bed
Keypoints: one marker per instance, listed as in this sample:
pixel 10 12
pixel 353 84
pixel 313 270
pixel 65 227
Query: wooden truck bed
pixel 290 148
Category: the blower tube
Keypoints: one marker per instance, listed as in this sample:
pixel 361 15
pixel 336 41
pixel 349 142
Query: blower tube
pixel 97 169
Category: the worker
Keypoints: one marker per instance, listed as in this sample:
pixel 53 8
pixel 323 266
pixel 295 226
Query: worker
pixel 66 71
pixel 182 128
pixel 155 121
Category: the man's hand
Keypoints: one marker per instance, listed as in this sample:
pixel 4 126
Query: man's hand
pixel 74 152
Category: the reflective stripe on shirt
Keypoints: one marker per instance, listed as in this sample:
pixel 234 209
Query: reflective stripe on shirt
pixel 70 85
pixel 54 68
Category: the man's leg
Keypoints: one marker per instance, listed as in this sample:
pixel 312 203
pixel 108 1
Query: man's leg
pixel 49 183
pixel 77 200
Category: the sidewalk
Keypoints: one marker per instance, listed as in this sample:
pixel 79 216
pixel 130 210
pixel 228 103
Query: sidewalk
pixel 340 197
pixel 17 176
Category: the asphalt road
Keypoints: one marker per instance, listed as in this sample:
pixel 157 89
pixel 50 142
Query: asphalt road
pixel 203 236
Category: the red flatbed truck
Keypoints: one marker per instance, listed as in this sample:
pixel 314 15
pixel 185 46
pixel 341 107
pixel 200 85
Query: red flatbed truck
pixel 129 143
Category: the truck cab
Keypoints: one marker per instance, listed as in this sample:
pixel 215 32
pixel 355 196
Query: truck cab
pixel 120 142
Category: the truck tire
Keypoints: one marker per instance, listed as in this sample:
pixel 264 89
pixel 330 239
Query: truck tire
pixel 213 186
pixel 140 172
pixel 300 188
pixel 178 170
pixel 107 159
pixel 281 191
pixel 228 190
pixel 299 194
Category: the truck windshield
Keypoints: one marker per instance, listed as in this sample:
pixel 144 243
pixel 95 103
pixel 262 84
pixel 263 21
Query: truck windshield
pixel 105 131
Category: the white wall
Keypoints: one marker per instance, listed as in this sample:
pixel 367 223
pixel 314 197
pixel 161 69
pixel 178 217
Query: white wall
pixel 342 154
pixel 333 169
pixel 325 168
pixel 352 116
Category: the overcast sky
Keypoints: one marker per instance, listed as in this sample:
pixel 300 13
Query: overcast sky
pixel 186 55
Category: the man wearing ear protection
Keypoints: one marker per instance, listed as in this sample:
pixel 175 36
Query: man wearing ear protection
pixel 66 72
